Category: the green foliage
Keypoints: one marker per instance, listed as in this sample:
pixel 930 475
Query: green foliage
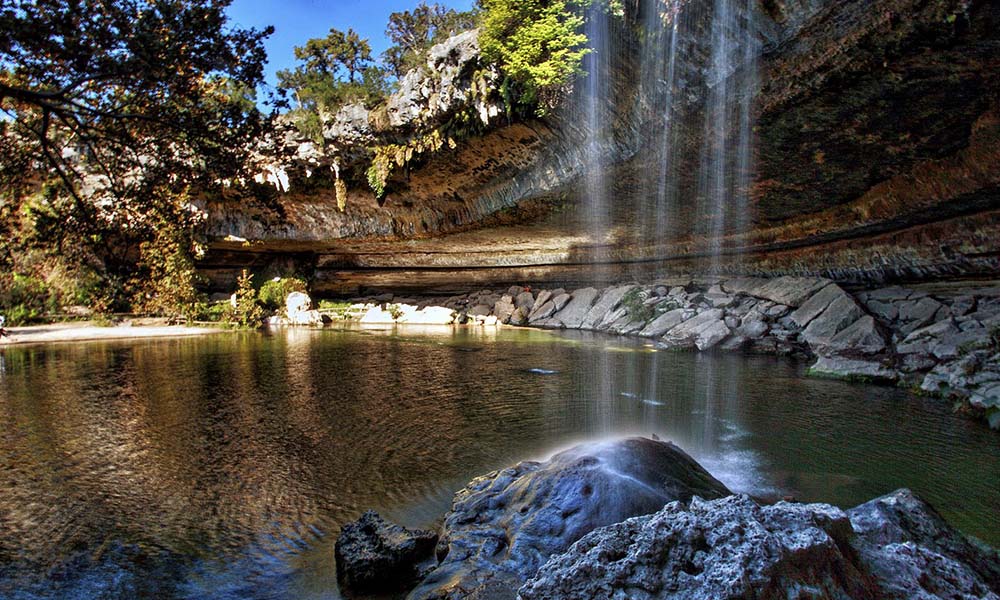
pixel 634 302
pixel 395 311
pixel 214 312
pixel 167 281
pixel 336 70
pixel 391 156
pixel 140 98
pixel 25 299
pixel 413 32
pixel 274 292
pixel 539 44
pixel 247 313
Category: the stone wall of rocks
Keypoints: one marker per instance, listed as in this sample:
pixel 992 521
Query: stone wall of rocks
pixel 942 342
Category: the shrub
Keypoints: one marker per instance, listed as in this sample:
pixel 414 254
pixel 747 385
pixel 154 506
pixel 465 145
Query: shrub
pixel 273 293
pixel 25 299
pixel 167 286
pixel 247 313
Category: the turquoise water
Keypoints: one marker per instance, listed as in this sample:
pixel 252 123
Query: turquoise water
pixel 223 466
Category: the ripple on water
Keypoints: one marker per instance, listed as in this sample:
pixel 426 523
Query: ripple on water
pixel 224 466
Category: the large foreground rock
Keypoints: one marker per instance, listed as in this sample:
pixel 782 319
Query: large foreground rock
pixel 505 525
pixel 375 556
pixel 895 548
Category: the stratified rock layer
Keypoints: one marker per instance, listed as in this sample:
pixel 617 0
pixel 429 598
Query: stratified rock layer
pixel 878 132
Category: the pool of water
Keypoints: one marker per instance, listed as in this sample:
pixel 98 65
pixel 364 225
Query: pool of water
pixel 224 466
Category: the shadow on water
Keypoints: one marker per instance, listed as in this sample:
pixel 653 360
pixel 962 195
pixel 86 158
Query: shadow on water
pixel 224 466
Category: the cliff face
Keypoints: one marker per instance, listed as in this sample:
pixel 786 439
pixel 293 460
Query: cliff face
pixel 877 132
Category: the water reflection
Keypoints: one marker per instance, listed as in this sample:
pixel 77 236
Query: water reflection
pixel 224 466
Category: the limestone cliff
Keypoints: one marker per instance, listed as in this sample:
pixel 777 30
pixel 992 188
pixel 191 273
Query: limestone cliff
pixel 877 129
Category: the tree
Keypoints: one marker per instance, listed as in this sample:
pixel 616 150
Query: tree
pixel 117 85
pixel 336 70
pixel 414 32
pixel 124 105
pixel 338 50
pixel 539 44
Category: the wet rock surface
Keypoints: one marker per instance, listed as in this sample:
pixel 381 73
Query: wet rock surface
pixel 375 556
pixel 894 547
pixel 504 526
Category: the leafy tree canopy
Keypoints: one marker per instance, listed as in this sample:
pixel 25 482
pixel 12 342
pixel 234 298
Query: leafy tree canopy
pixel 413 32
pixel 335 70
pixel 111 111
pixel 127 85
pixel 539 44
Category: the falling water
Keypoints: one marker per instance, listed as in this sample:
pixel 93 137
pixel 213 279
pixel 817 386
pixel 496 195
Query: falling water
pixel 657 84
pixel 726 158
pixel 596 100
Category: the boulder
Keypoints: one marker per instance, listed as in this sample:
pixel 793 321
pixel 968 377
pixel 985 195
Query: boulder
pixel 431 315
pixel 504 526
pixel 376 556
pixel 726 549
pixel 543 311
pixel 912 552
pixel 838 366
pixel 815 305
pixel 790 291
pixel 609 300
pixel 963 305
pixel 752 327
pixel 297 302
pixel 479 310
pixel 543 297
pixel 375 314
pixel 917 314
pixel 504 308
pixel 697 331
pixel 841 313
pixel 576 310
pixel 561 300
pixel 525 301
pixel 664 323
pixel 860 337
pixel 892 548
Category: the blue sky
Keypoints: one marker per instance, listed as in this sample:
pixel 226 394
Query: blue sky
pixel 295 21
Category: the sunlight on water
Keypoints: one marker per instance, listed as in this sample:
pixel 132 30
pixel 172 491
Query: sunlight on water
pixel 224 466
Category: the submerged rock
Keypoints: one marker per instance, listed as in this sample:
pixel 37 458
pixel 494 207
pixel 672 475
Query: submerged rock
pixel 376 556
pixel 894 548
pixel 504 526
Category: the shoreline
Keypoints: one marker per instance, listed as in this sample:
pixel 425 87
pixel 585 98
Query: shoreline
pixel 85 331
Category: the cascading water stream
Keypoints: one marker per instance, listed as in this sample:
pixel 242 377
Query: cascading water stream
pixel 595 103
pixel 677 33
pixel 726 156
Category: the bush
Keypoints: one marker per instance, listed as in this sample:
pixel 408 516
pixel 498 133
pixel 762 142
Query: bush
pixel 247 314
pixel 273 293
pixel 167 285
pixel 25 299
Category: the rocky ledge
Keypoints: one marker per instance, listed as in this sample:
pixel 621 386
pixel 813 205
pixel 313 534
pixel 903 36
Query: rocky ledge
pixel 944 342
pixel 638 518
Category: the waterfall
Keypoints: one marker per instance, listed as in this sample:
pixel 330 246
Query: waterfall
pixel 595 107
pixel 726 155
